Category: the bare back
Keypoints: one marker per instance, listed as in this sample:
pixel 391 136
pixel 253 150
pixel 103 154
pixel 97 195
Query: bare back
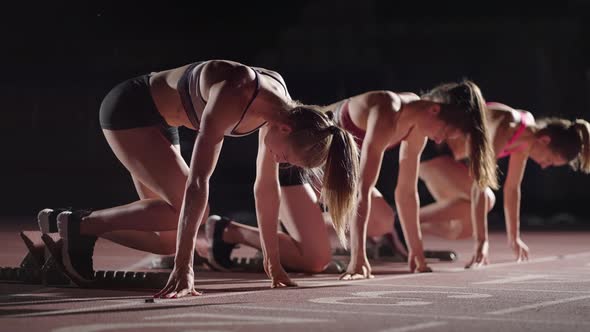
pixel 503 123
pixel 254 91
pixel 388 104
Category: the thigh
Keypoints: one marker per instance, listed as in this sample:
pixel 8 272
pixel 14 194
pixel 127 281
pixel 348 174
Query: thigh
pixel 143 191
pixel 302 217
pixel 446 178
pixel 152 160
pixel 381 217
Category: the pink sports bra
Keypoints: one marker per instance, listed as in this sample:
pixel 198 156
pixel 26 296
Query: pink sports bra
pixel 342 117
pixel 525 120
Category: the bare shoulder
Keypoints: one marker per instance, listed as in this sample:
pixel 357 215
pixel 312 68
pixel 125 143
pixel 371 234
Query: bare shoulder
pixel 500 113
pixel 270 72
pixel 408 97
pixel 530 117
pixel 226 70
pixel 385 101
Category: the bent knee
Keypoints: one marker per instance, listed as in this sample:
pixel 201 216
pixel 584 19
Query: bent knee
pixel 459 229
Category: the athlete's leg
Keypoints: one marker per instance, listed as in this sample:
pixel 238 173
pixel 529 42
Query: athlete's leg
pixel 307 246
pixel 449 183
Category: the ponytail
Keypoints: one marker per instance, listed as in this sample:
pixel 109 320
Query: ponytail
pixel 570 139
pixel 462 106
pixel 319 142
pixel 340 180
pixel 582 127
pixel 483 162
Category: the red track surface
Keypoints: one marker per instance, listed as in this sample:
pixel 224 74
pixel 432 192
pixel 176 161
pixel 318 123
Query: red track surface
pixel 549 293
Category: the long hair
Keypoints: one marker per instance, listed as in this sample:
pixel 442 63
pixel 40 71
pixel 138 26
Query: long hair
pixel 463 107
pixel 318 142
pixel 570 139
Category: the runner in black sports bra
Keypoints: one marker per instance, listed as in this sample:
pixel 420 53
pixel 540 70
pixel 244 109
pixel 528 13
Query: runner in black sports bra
pixel 139 118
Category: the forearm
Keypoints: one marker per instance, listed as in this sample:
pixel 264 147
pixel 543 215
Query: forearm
pixel 193 207
pixel 512 213
pixel 408 210
pixel 267 211
pixel 358 230
pixel 479 214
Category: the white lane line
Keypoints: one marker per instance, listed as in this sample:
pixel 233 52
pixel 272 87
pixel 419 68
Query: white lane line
pixel 508 280
pixel 269 319
pixel 312 283
pixel 422 315
pixel 335 282
pixel 416 327
pixel 231 320
pixel 67 300
pixel 537 305
pixel 483 288
pixel 354 282
pixel 514 263
pixel 157 302
pixel 143 325
pixel 400 301
pixel 77 311
pixel 556 281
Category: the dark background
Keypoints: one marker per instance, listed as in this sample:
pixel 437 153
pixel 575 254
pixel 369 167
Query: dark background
pixel 59 61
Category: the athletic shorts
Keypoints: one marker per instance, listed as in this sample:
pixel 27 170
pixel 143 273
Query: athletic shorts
pixel 130 105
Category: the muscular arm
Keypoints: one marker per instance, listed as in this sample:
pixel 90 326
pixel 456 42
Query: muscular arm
pixel 516 167
pixel 406 192
pixel 223 97
pixel 375 142
pixel 267 196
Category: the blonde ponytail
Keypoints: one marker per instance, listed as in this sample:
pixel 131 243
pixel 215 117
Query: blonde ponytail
pixel 319 142
pixel 340 180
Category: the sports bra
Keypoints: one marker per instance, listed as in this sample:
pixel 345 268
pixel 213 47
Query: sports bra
pixel 190 95
pixel 525 120
pixel 342 117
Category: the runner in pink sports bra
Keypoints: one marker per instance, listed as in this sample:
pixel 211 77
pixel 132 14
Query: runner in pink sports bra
pixel 526 119
pixel 549 141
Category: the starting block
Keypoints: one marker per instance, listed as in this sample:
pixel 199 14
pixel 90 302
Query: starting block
pixel 37 267
pixel 42 265
pixel 252 264
pixel 384 250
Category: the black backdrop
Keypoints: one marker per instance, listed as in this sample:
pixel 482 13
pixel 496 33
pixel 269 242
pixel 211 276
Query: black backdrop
pixel 59 60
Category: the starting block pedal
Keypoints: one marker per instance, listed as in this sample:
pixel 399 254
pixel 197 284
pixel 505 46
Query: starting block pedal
pixel 17 274
pixel 108 279
pixel 32 269
pixel 129 280
pixel 248 264
pixel 441 255
pixel 384 250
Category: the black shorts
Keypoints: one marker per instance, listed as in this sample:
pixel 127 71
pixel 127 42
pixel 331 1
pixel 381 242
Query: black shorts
pixel 290 175
pixel 130 105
